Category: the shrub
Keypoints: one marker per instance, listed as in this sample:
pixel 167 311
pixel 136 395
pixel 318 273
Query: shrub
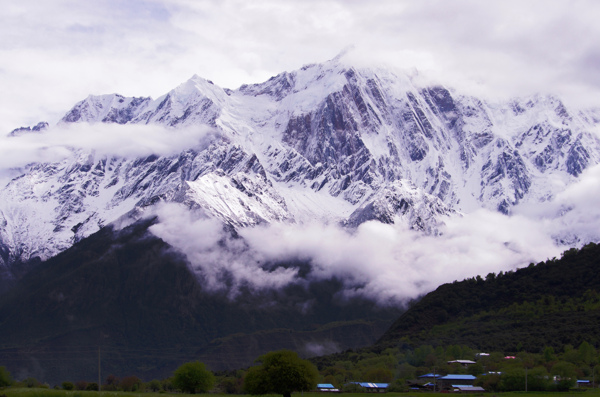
pixel 281 372
pixel 153 385
pixel 193 377
pixel 5 378
pixel 68 385
pixel 92 386
pixel 130 383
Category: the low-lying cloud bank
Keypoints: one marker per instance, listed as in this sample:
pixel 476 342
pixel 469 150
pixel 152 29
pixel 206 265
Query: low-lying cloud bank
pixel 388 263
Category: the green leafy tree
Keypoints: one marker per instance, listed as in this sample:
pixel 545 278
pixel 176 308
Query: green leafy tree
pixel 193 377
pixel 537 379
pixel 587 353
pixel 231 385
pixel 167 385
pixel 398 386
pixel 490 382
pixel 549 355
pixel 475 369
pixel 379 375
pixel 92 386
pixel 406 371
pixel 5 378
pixel 68 385
pixel 420 355
pixel 566 374
pixel 513 380
pixel 281 372
pixel 153 385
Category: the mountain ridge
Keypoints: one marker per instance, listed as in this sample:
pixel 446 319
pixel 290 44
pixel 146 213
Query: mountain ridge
pixel 328 141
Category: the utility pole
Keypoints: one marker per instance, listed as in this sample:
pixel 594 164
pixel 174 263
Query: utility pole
pixel 99 373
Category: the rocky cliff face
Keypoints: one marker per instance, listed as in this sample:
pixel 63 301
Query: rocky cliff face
pixel 328 141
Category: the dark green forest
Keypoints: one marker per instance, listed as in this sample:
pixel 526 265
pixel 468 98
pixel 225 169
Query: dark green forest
pixel 93 300
pixel 129 297
pixel 545 316
pixel 552 303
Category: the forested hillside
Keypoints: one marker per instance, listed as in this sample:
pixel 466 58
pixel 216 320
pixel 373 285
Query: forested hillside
pixel 129 297
pixel 553 303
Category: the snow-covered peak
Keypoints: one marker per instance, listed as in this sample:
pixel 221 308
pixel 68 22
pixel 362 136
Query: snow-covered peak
pixel 111 108
pixel 39 127
pixel 196 101
pixel 198 87
pixel 328 141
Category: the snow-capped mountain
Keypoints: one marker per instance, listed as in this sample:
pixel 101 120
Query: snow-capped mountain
pixel 329 141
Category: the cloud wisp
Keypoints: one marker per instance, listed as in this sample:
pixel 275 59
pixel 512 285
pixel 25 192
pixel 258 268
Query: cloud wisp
pixel 387 263
pixel 573 216
pixel 127 141
pixel 219 260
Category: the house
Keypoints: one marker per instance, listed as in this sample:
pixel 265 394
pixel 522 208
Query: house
pixel 449 381
pixel 468 389
pixel 372 387
pixel 327 387
pixel 430 376
pixel 418 386
pixel 431 379
pixel 583 383
pixel 464 363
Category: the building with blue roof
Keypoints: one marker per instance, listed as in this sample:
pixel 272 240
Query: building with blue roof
pixel 453 380
pixel 583 383
pixel 327 387
pixel 372 387
pixel 430 376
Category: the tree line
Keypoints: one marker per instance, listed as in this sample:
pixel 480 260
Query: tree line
pixel 283 372
pixel 279 372
pixel 545 370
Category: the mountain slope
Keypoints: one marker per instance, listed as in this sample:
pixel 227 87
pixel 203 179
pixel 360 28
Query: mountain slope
pixel 329 142
pixel 553 303
pixel 129 294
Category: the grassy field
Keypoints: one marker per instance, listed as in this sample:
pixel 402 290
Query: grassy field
pixel 26 392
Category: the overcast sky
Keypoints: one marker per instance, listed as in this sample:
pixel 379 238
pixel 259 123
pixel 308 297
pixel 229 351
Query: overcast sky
pixel 54 53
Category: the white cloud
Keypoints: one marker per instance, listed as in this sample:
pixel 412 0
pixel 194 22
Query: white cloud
pixel 573 215
pixel 388 263
pixel 221 261
pixel 116 140
pixel 57 52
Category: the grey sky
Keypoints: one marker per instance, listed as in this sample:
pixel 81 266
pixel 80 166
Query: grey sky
pixel 54 53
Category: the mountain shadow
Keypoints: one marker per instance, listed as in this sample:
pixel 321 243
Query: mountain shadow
pixel 127 300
